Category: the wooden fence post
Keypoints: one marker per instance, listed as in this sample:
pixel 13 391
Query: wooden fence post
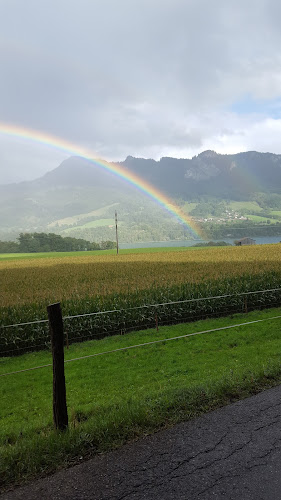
pixel 59 393
pixel 156 322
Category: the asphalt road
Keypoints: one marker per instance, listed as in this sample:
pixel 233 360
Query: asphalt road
pixel 231 453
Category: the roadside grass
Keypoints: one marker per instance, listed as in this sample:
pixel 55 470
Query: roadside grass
pixel 120 396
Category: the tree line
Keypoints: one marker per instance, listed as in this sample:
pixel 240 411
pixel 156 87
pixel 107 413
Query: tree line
pixel 241 229
pixel 51 242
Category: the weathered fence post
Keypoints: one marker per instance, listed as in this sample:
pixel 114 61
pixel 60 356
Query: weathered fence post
pixel 59 393
pixel 156 322
pixel 67 341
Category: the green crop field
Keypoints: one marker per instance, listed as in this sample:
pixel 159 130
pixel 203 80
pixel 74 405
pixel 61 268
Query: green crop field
pixel 130 284
pixel 84 274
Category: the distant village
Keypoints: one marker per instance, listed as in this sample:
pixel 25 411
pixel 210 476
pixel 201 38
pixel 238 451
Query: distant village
pixel 229 216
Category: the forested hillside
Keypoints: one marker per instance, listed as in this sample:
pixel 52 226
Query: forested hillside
pixel 78 198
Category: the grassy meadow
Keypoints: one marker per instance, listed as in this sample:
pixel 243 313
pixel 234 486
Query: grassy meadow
pixel 258 218
pixel 121 395
pixel 53 255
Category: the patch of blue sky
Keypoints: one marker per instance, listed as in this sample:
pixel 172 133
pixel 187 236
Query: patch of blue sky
pixel 270 108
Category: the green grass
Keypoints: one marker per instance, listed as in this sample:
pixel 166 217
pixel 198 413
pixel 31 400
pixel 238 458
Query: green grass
pixel 122 395
pixel 93 223
pixel 40 255
pixel 258 218
pixel 187 207
pixel 79 217
pixel 244 205
pixel 276 212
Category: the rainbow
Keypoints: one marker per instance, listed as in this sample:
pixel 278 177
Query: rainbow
pixel 131 178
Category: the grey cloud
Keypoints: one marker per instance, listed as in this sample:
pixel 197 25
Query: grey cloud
pixel 135 77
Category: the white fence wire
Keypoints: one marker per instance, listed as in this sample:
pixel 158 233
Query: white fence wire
pixel 146 306
pixel 146 344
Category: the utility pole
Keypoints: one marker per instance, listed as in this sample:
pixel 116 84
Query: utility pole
pixel 117 246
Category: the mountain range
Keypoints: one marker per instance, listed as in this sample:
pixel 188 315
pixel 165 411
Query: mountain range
pixel 234 176
pixel 80 197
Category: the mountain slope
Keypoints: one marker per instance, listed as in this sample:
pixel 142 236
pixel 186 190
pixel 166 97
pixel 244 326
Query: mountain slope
pixel 234 176
pixel 81 197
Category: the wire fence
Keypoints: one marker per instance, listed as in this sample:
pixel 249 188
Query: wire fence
pixel 15 339
pixel 158 341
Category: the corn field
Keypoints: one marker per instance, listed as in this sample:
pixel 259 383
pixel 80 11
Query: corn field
pixel 131 286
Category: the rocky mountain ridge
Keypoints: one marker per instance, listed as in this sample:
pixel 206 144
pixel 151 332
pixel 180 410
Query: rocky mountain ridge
pixel 78 189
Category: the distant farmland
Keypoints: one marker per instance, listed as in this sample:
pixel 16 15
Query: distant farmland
pixel 34 281
pixel 132 289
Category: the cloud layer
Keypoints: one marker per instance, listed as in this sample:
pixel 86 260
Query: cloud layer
pixel 139 77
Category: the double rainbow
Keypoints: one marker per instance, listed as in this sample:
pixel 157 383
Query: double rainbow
pixel 131 178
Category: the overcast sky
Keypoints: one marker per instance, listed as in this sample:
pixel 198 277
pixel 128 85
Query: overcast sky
pixel 146 78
